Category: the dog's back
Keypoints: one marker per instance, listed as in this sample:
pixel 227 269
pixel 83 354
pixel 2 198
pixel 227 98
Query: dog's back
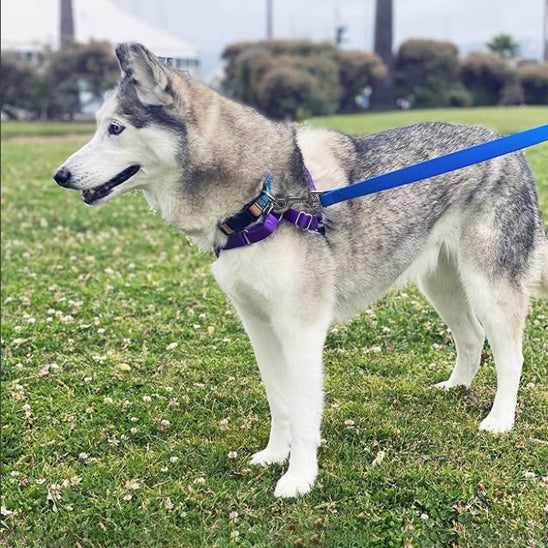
pixel 488 212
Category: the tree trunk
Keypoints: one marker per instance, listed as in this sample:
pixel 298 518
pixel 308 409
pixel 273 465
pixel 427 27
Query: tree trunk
pixel 67 24
pixel 383 96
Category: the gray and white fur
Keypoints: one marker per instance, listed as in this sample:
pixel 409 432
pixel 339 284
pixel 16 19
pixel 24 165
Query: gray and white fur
pixel 474 240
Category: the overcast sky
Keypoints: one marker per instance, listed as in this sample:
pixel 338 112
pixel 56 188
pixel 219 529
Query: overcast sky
pixel 211 24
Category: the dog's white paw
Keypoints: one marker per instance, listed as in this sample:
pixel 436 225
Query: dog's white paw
pixel 291 485
pixel 444 385
pixel 496 425
pixel 269 456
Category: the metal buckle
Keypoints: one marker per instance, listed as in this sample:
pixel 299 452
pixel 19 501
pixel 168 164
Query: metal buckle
pixel 281 204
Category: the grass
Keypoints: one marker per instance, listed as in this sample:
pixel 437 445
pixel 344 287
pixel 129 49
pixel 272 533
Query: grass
pixel 131 402
pixel 504 119
pixel 44 129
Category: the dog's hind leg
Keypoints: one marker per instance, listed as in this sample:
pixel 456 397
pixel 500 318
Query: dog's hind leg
pixel 443 288
pixel 270 359
pixel 502 309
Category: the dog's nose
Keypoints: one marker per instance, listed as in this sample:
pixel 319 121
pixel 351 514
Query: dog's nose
pixel 62 177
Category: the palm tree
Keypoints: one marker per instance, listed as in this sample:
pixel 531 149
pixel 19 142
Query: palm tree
pixel 383 96
pixel 504 46
pixel 67 24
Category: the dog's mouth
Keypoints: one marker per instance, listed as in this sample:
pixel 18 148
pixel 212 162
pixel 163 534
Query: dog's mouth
pixel 93 195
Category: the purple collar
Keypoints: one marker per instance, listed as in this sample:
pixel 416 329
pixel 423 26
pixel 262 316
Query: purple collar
pixel 270 220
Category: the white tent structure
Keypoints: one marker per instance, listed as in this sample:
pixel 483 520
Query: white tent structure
pixel 32 26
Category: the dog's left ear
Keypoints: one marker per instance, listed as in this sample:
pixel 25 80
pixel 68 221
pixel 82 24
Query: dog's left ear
pixel 147 73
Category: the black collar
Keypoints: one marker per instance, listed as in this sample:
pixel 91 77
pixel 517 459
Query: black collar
pixel 250 213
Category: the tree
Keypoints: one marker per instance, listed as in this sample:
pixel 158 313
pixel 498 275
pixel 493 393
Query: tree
pixel 54 90
pixel 20 87
pixel 504 46
pixel 383 93
pixel 85 67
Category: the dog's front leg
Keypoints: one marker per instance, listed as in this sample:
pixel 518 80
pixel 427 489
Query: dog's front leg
pixel 302 348
pixel 270 359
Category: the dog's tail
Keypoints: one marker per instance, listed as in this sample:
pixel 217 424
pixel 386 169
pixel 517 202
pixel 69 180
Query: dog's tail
pixel 540 285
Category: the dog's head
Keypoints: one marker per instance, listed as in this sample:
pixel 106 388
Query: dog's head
pixel 140 136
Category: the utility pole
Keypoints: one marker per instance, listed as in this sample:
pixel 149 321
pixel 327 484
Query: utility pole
pixel 67 24
pixel 269 19
pixel 545 31
pixel 340 29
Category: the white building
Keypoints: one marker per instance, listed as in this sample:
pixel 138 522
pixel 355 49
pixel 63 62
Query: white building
pixel 31 26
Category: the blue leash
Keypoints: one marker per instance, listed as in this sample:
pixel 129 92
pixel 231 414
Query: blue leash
pixel 436 166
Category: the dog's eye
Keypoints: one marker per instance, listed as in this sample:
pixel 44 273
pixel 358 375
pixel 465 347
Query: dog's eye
pixel 115 128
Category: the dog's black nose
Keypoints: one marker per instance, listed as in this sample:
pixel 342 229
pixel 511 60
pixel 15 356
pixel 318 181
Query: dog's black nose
pixel 62 177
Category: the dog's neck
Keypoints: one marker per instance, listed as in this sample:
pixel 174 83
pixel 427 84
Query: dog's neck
pixel 229 150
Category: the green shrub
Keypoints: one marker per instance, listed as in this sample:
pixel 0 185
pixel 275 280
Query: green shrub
pixel 459 96
pixel 534 81
pixel 333 77
pixel 426 71
pixel 485 75
pixel 512 94
pixel 247 71
pixel 357 70
pixel 286 91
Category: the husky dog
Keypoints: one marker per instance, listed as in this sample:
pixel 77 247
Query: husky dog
pixel 474 239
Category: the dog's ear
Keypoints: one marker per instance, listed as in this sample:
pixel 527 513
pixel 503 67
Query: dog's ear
pixel 144 69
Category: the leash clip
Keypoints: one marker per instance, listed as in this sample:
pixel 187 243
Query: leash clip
pixel 280 204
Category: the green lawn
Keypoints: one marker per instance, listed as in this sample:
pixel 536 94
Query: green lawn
pixel 504 119
pixel 131 402
pixel 25 129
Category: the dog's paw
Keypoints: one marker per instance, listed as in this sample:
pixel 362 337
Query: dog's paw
pixel 496 425
pixel 268 456
pixel 291 485
pixel 444 385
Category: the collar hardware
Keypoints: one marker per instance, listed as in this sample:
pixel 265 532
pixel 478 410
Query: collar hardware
pixel 259 218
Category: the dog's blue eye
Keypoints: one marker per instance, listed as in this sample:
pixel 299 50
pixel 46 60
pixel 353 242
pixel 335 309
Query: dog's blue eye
pixel 115 128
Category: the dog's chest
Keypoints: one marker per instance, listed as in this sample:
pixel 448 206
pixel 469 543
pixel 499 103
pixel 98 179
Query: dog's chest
pixel 253 277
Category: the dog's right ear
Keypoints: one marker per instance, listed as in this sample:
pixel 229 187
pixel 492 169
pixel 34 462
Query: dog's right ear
pixel 144 69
